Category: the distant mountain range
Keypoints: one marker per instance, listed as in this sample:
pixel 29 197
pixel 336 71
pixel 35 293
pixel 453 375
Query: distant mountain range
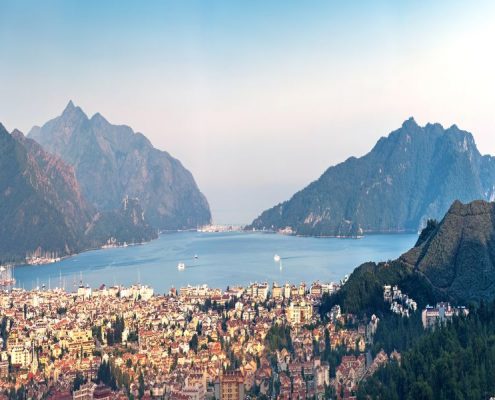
pixel 408 177
pixel 42 209
pixel 112 162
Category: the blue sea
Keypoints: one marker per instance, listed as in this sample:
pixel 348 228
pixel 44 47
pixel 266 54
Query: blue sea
pixel 223 259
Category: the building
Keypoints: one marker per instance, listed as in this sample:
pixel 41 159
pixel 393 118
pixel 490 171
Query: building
pixel 299 313
pixel 258 291
pixel 102 392
pixel 440 314
pixel 230 386
pixel 60 395
pixel 347 375
pixel 287 291
pixel 302 289
pixel 277 292
pixel 20 356
pixel 80 341
pixel 316 289
pixel 329 288
pixel 4 369
pixel 85 392
pixel 84 291
pixel 141 292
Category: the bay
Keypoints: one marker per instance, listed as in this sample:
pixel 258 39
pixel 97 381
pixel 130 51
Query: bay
pixel 223 259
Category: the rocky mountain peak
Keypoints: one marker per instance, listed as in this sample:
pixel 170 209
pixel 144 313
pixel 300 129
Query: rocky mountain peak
pixel 98 118
pixel 112 161
pixel 17 134
pixel 410 124
pixel 73 113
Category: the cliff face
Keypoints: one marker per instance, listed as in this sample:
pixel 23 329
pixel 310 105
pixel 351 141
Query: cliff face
pixel 408 177
pixel 42 208
pixel 55 180
pixel 458 256
pixel 113 161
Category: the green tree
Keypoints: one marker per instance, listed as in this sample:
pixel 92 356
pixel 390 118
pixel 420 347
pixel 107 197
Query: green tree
pixel 141 387
pixel 78 381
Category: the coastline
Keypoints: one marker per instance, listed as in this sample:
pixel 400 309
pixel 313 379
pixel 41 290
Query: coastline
pixel 67 256
pixel 365 233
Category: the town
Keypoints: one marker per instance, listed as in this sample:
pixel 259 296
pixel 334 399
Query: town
pixel 193 343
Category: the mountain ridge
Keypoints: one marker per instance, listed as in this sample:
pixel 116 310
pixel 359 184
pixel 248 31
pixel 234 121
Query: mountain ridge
pixel 43 211
pixel 409 176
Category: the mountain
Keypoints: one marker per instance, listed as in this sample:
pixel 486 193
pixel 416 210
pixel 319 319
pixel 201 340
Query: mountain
pixel 42 208
pixel 41 205
pixel 453 260
pixel 457 256
pixel 408 177
pixel 113 161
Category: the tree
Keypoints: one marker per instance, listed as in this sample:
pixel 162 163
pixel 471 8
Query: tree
pixel 78 381
pixel 420 390
pixel 278 338
pixel 193 343
pixel 104 374
pixel 454 361
pixel 4 333
pixel 141 386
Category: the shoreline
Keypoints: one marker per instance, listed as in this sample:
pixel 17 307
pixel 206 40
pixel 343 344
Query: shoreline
pixel 62 258
pixel 368 233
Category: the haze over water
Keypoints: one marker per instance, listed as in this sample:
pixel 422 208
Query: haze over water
pixel 223 259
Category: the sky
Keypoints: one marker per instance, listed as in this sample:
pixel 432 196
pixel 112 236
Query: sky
pixel 256 98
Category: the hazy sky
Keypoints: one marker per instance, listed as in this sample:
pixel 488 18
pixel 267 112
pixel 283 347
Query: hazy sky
pixel 256 98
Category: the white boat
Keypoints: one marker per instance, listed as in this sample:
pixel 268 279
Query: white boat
pixel 196 257
pixel 276 258
pixel 181 266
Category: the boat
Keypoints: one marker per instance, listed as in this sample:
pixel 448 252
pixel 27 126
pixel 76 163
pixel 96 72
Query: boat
pixel 276 258
pixel 196 257
pixel 181 266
